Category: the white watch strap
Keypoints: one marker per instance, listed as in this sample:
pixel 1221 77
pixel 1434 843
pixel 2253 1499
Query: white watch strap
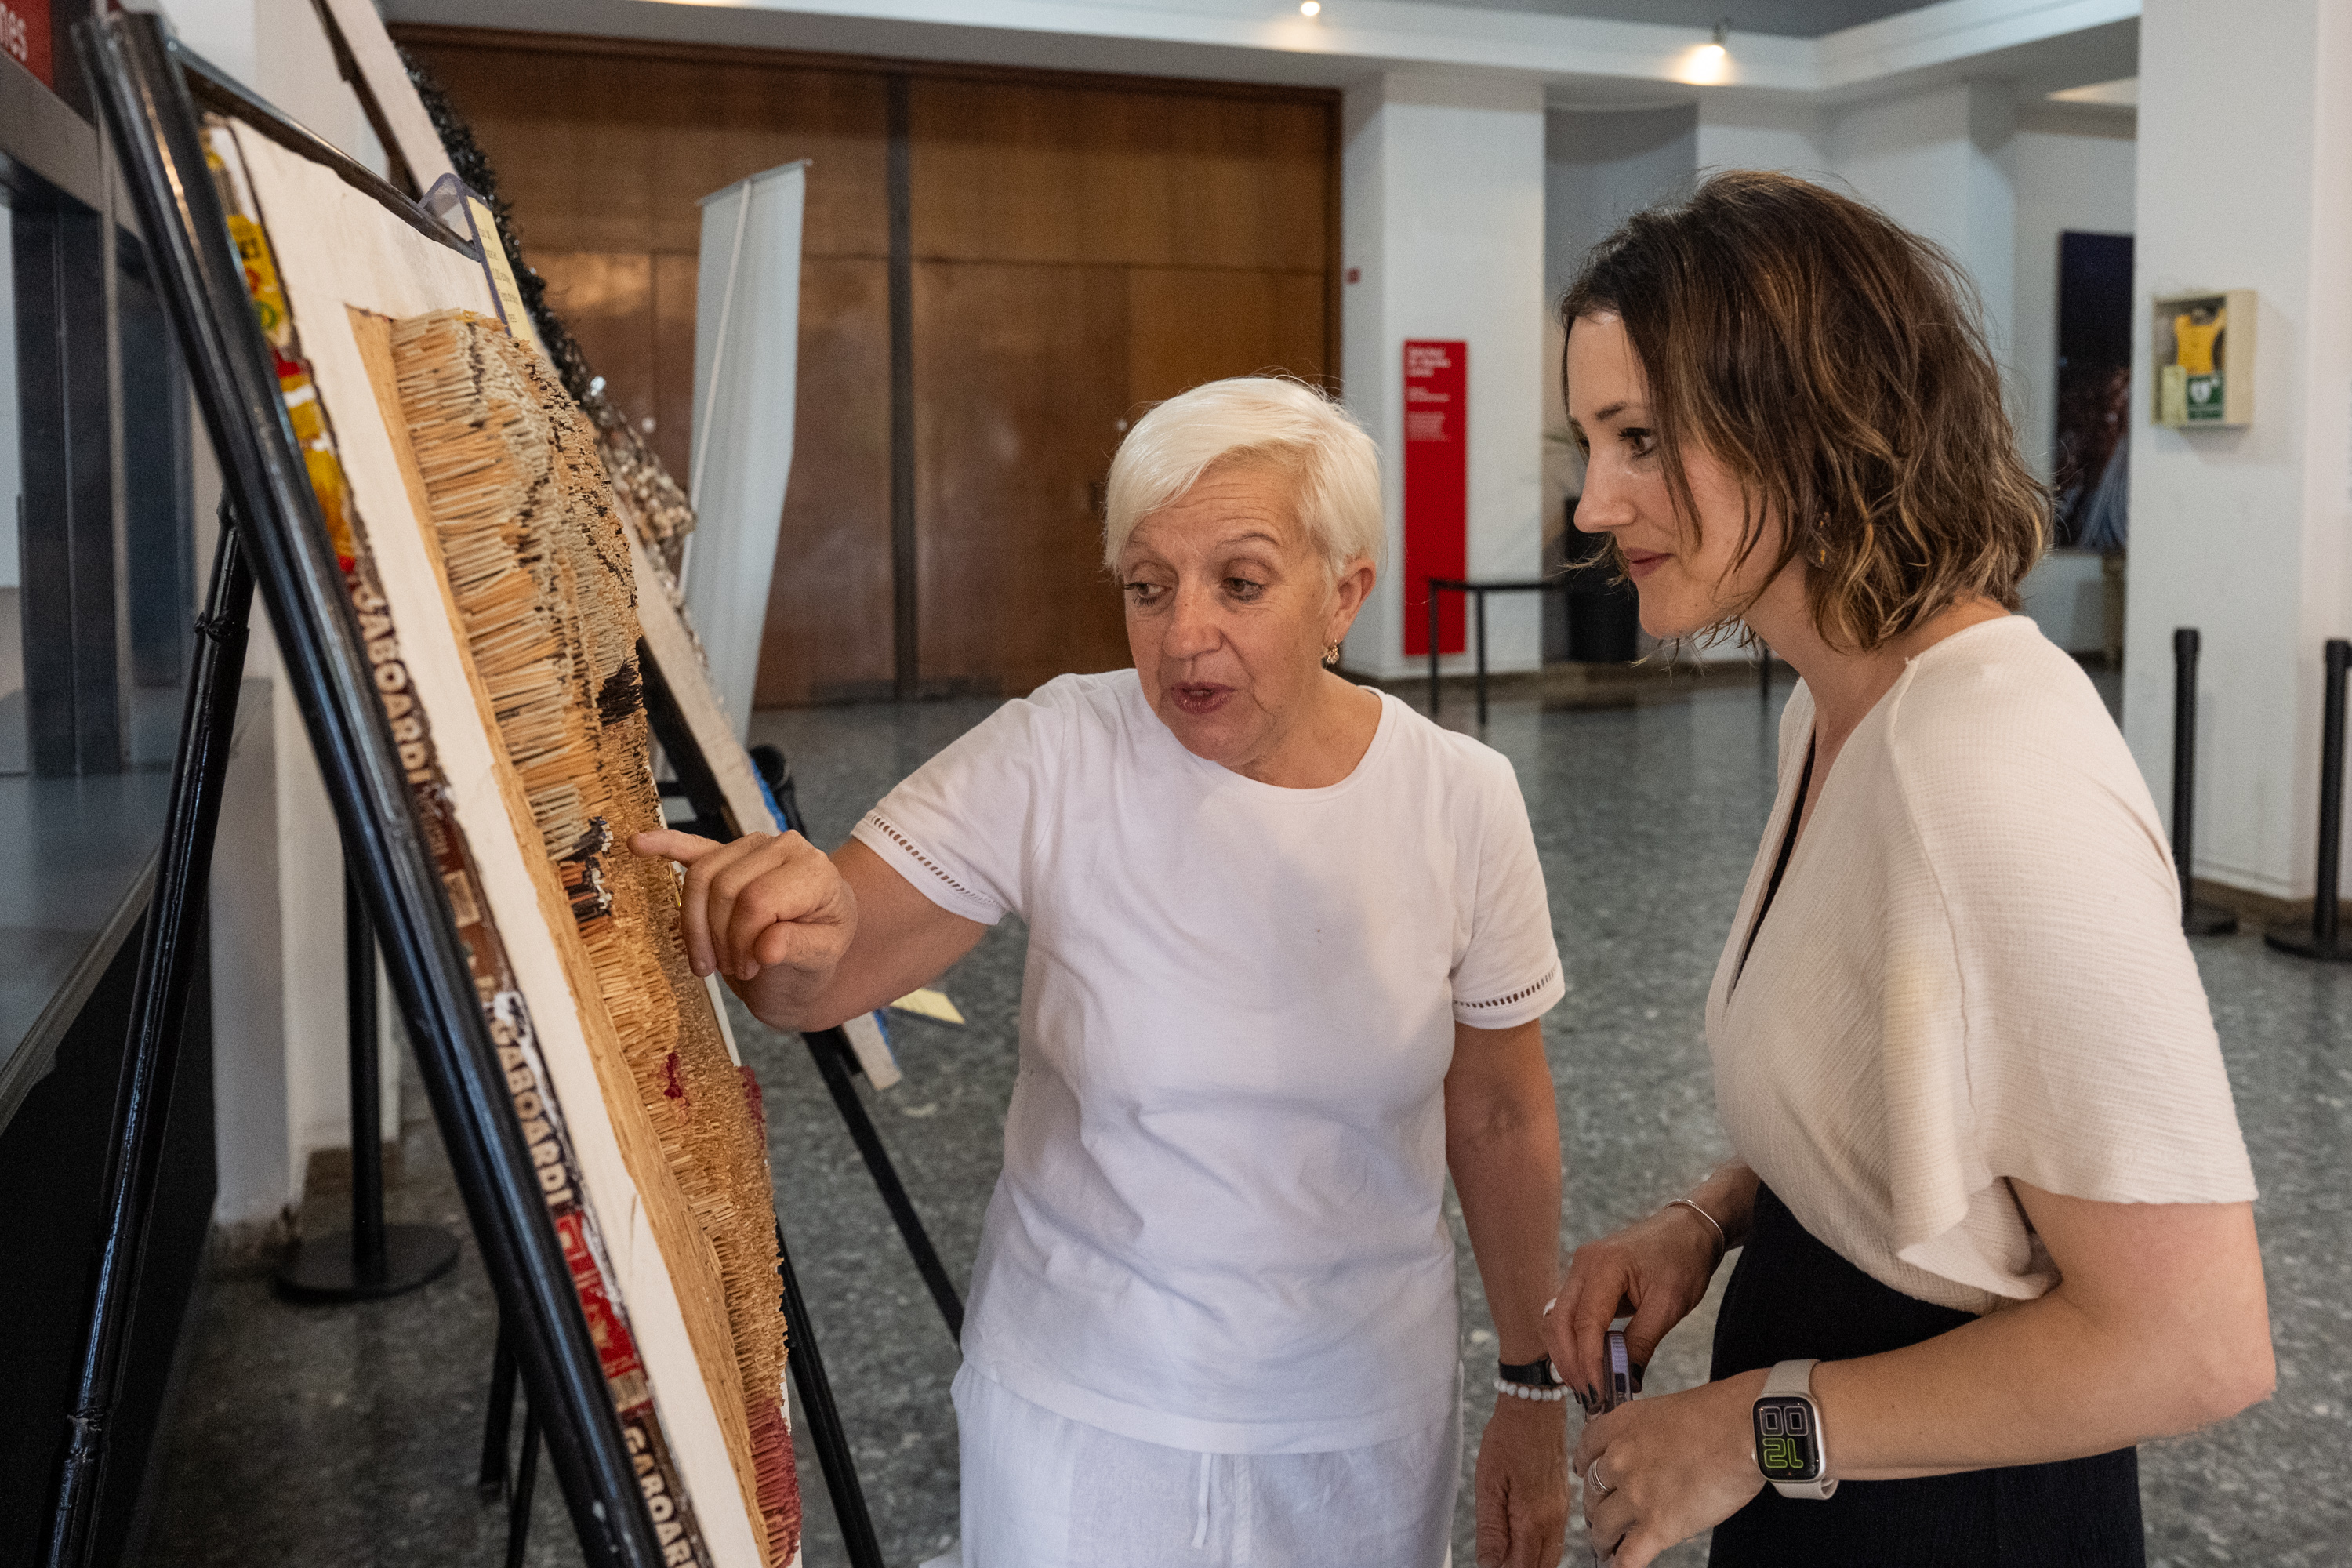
pixel 1796 1378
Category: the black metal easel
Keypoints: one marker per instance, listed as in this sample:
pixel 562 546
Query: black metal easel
pixel 146 87
pixel 374 1259
pixel 167 949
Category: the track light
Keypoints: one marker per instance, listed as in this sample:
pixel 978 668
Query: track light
pixel 1717 49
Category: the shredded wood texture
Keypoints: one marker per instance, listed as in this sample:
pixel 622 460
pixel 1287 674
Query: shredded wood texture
pixel 541 575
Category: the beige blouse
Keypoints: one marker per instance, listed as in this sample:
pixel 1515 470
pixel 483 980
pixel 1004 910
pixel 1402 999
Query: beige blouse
pixel 1974 971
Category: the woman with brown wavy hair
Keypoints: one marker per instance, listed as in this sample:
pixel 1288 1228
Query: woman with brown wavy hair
pixel 1993 1207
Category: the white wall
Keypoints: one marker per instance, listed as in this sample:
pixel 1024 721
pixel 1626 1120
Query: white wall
pixel 1738 132
pixel 2245 180
pixel 1602 167
pixel 1443 212
pixel 1941 164
pixel 2073 171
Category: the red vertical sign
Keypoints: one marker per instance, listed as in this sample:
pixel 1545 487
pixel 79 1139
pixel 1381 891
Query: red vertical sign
pixel 25 36
pixel 1436 487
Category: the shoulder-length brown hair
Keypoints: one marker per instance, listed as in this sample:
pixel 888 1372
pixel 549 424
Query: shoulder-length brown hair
pixel 1832 360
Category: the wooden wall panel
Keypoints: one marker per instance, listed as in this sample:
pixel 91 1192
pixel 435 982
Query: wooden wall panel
pixel 674 278
pixel 600 151
pixel 1008 172
pixel 1021 380
pixel 828 637
pixel 1188 325
pixel 606 298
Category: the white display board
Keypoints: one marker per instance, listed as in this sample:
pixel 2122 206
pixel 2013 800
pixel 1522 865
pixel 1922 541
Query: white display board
pixel 747 318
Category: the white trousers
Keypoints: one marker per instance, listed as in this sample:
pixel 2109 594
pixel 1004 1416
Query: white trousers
pixel 1043 1492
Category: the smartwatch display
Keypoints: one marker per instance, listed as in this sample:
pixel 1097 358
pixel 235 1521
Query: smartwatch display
pixel 1790 1449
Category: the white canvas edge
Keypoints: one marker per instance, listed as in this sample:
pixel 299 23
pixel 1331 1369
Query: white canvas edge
pixel 341 253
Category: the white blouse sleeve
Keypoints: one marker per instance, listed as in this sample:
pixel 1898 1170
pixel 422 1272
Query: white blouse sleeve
pixel 2043 1016
pixel 1510 971
pixel 957 827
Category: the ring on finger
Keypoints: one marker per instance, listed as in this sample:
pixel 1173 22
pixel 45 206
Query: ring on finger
pixel 1592 1475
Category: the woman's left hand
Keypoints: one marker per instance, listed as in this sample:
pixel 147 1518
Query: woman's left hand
pixel 1523 1484
pixel 1660 1470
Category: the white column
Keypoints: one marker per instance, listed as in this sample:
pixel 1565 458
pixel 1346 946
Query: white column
pixel 1444 215
pixel 1941 164
pixel 2246 181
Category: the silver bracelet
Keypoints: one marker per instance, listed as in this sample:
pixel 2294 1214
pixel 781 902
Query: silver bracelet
pixel 1722 1242
pixel 1521 1391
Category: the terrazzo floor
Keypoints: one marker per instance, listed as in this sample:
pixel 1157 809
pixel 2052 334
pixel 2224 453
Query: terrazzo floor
pixel 349 1435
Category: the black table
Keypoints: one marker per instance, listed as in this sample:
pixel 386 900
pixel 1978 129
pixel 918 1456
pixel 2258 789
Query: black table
pixel 1478 592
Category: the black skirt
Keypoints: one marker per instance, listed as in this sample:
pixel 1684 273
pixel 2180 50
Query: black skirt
pixel 1790 1297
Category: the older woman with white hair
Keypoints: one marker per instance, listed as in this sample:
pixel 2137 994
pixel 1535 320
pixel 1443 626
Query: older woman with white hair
pixel 1289 950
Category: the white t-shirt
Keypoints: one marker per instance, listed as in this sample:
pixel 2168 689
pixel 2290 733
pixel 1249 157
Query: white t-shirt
pixel 1219 1225
pixel 1974 971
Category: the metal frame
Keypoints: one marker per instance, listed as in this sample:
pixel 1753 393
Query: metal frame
pixel 1478 592
pixel 143 82
pixel 167 954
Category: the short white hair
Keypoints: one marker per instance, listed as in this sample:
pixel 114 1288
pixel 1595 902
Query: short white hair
pixel 1335 466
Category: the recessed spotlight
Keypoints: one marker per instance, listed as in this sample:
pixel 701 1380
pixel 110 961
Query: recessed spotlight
pixel 1310 7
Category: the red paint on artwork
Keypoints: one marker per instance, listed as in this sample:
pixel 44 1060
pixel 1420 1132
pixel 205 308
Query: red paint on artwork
pixel 1436 487
pixel 614 1347
pixel 24 37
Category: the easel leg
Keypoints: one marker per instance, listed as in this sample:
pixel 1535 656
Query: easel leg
pixel 526 1482
pixel 492 1481
pixel 833 1057
pixel 167 949
pixel 824 1420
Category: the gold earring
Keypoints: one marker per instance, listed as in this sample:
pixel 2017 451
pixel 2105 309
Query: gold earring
pixel 1331 657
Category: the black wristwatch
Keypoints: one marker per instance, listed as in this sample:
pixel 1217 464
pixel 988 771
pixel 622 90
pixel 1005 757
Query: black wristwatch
pixel 1535 1380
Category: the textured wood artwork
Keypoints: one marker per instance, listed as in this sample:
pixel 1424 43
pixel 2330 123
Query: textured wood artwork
pixel 542 577
pixel 488 576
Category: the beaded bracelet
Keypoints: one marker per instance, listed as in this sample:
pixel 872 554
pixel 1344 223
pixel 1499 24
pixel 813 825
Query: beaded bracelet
pixel 1522 1391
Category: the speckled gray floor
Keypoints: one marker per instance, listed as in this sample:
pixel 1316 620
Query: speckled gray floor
pixel 347 1434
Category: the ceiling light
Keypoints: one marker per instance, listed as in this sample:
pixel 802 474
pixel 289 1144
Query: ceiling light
pixel 1716 50
pixel 1310 7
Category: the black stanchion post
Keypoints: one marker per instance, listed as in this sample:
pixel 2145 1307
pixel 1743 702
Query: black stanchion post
pixel 1479 595
pixel 380 1259
pixel 1432 648
pixel 2321 939
pixel 2196 918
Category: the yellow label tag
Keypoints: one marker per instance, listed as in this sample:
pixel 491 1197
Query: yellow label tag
pixel 503 277
pixel 929 1003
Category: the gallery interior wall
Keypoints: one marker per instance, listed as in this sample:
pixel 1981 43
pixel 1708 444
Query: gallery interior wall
pixel 2246 181
pixel 1078 249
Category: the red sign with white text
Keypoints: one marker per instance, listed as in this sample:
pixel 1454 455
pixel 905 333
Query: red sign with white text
pixel 1436 487
pixel 24 37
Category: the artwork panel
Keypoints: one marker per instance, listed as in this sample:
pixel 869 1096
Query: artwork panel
pixel 343 250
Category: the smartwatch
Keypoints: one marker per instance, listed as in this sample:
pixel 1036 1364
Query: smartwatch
pixel 1790 1449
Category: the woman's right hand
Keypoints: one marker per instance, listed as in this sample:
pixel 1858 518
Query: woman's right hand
pixel 764 904
pixel 1655 1269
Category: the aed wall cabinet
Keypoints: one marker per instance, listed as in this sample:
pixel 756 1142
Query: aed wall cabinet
pixel 2202 346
